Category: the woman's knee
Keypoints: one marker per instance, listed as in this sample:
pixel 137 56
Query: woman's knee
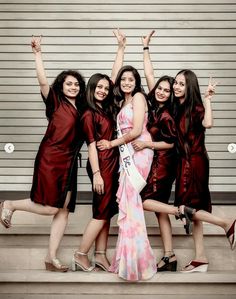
pixel 52 210
pixel 63 213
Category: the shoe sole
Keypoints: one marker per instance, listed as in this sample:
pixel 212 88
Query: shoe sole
pixel 234 237
pixel 101 266
pixel 51 267
pixel 201 268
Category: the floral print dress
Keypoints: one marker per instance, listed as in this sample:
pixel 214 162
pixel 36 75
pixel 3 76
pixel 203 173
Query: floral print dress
pixel 133 259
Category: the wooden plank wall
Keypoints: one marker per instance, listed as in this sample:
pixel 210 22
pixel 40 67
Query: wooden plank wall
pixel 195 34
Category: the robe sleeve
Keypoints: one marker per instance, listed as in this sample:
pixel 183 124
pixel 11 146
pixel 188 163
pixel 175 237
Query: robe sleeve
pixel 197 118
pixel 168 129
pixel 51 102
pixel 88 126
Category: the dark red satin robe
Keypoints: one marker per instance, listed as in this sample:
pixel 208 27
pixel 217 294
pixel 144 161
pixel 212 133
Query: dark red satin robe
pixel 55 168
pixel 97 126
pixel 193 168
pixel 163 170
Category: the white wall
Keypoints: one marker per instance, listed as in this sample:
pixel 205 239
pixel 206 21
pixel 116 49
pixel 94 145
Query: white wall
pixel 195 34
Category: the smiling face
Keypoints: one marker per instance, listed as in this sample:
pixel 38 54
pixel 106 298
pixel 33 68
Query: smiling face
pixel 127 82
pixel 180 87
pixel 70 87
pixel 101 90
pixel 162 92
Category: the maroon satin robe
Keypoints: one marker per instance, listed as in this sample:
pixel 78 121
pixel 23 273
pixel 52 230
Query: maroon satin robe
pixel 193 164
pixel 163 170
pixel 55 168
pixel 97 125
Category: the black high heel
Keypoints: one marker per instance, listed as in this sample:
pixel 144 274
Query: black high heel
pixel 187 214
pixel 80 159
pixel 168 266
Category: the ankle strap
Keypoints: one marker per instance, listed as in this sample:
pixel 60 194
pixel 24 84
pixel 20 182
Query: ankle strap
pixel 99 252
pixel 166 259
pixel 171 252
pixel 81 253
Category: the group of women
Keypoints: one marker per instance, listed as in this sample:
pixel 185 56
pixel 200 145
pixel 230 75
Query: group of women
pixel 138 145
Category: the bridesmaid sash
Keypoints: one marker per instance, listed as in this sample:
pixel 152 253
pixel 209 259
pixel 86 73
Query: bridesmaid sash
pixel 136 179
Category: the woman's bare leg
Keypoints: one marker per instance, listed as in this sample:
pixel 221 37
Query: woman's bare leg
pixel 166 236
pixel 92 230
pixel 29 206
pixel 101 246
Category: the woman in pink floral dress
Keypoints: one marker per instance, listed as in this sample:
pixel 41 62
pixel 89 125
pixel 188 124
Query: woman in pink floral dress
pixel 133 259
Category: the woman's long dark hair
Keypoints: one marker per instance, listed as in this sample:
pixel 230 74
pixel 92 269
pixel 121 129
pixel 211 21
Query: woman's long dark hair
pixel 192 96
pixel 153 104
pixel 107 103
pixel 118 93
pixel 192 100
pixel 57 86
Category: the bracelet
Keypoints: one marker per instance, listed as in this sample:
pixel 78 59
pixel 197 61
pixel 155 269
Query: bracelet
pixel 145 48
pixel 96 172
pixel 153 148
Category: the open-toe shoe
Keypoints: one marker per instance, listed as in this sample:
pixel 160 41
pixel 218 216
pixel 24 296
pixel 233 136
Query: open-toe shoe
pixel 56 266
pixel 5 216
pixel 99 264
pixel 77 266
pixel 168 266
pixel 196 267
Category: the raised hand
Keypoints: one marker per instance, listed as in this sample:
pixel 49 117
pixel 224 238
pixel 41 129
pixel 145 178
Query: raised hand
pixel 36 44
pixel 146 39
pixel 41 74
pixel 210 91
pixel 120 36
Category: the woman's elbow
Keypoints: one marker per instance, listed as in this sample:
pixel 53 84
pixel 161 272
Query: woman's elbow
pixel 208 124
pixel 136 133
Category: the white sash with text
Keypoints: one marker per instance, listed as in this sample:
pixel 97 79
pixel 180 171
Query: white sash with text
pixel 136 179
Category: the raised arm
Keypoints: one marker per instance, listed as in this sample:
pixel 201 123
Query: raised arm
pixel 147 64
pixel 41 75
pixel 208 116
pixel 118 63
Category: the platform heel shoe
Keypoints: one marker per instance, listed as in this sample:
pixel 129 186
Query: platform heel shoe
pixel 168 266
pixel 55 265
pixel 196 267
